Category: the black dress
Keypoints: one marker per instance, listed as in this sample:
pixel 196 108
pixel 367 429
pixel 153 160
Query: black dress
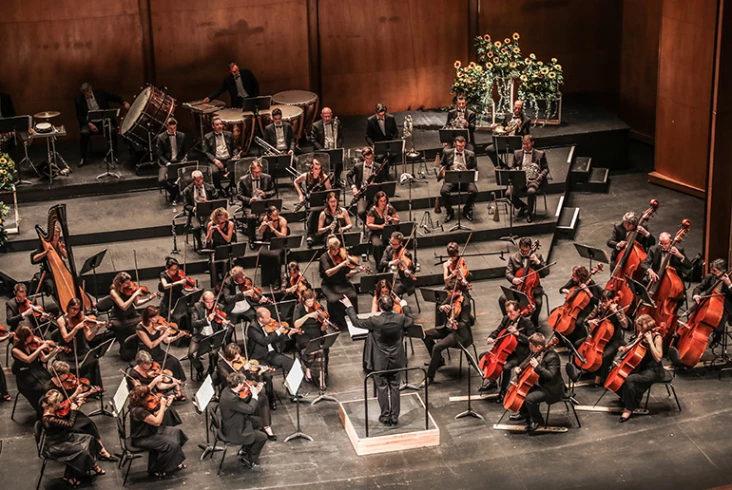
pixel 377 244
pixel 311 330
pixel 33 380
pixel 77 451
pixel 83 424
pixel 124 321
pixel 171 418
pixel 170 298
pixel 91 371
pixel 158 354
pixel 165 443
pixel 218 240
pixel 271 260
pixel 647 372
pixel 334 288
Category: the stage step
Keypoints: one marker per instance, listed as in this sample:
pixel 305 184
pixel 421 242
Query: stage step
pixel 598 181
pixel 580 169
pixel 568 221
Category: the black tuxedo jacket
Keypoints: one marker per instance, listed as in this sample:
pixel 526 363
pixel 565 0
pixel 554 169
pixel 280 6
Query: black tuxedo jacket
pixel 525 327
pixel 103 99
pixel 317 134
pixel 270 135
pixel 355 175
pixel 373 131
pixel 517 262
pixel 258 341
pixel 550 376
pixel 6 106
pixel 448 157
pixel 464 333
pixel 246 188
pixel 209 144
pixel 188 195
pixel 537 156
pixel 248 80
pixel 470 116
pixel 388 335
pixel 235 423
pixel 655 255
pixel 199 319
pixel 162 143
pixel 704 287
pixel 13 315
pixel 619 234
pixel 525 123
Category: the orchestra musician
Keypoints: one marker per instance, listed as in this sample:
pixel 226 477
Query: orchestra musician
pixel 273 226
pixel 394 257
pixel 195 192
pixel 312 180
pixel 449 334
pixel 580 276
pixel 231 361
pixel 458 158
pixel 517 123
pixel 75 332
pixel 14 317
pixel 254 186
pixel 220 231
pixel 381 214
pixel 143 374
pixel 310 327
pixel 619 319
pixel 152 333
pixel 218 145
pixel 170 146
pixel 336 273
pixel 453 254
pixel 29 365
pixel 240 84
pixel 381 126
pixel 362 173
pixel 334 218
pixel 279 133
pixel 38 256
pixel 534 162
pixel 463 118
pixel 294 282
pixel 518 261
pixel 92 99
pixel 205 321
pixel 266 347
pixel 327 134
pixel 619 235
pixel 649 370
pixel 124 315
pixel 388 329
pixel 239 301
pixel 717 269
pixel 656 253
pixel 172 286
pixel 522 328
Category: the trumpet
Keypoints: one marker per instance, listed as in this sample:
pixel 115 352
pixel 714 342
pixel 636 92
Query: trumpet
pixel 269 150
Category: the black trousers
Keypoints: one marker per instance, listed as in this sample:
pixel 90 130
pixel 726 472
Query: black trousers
pixel 85 134
pixel 438 340
pixel 252 222
pixel 469 187
pixel 531 190
pixel 530 408
pixel 637 384
pixel 333 295
pixel 254 449
pixel 512 362
pixel 387 392
pixel 168 185
pixel 377 246
pixel 538 301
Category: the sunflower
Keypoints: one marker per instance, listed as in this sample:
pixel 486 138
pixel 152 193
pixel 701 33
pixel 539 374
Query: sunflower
pixel 507 41
pixel 516 50
pixel 552 75
pixel 503 51
pixel 460 74
pixel 516 36
pixel 540 63
pixel 532 56
pixel 512 64
pixel 544 70
pixel 457 64
pixel 554 60
pixel 489 65
pixel 3 160
pixel 497 44
pixel 496 60
pixel 490 54
pixel 558 67
pixel 524 78
pixel 527 61
pixel 487 37
pixel 471 65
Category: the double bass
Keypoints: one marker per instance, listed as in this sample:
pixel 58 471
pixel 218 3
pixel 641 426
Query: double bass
pixel 564 318
pixel 526 379
pixel 628 261
pixel 628 361
pixel 593 347
pixel 493 361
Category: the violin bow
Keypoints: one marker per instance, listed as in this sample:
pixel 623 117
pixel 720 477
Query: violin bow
pixel 302 274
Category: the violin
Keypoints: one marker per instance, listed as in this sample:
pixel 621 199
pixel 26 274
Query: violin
pixel 299 284
pixel 161 324
pixel 35 342
pixel 323 316
pixel 180 275
pixel 493 361
pixel 564 318
pixel 628 361
pixel 258 295
pixel 254 366
pixel 352 260
pixel 526 379
pixel 403 263
pixel 91 320
pixel 130 288
pixel 457 266
pixel 153 401
pixel 456 308
pixel 38 311
pixel 64 408
pixel 593 347
pixel 273 325
pixel 4 332
pixel 155 371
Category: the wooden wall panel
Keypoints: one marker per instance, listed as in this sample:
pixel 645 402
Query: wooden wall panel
pixel 48 49
pixel 195 41
pixel 397 52
pixel 583 35
pixel 639 66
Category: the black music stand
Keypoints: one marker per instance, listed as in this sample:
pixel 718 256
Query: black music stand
pixel 471 362
pixel 390 149
pixel 640 292
pixel 286 243
pixel 317 199
pixel 416 331
pixel 106 116
pixel 284 307
pixel 230 252
pixel 316 344
pixel 280 166
pixel 389 189
pixel 460 177
pixel 172 169
pixel 517 180
pixel 447 136
pixel 506 145
pixel 210 344
pixel 368 283
pixel 91 264
pixel 185 302
pixel 406 228
pixel 205 208
pixel 336 164
pixel 91 357
pixel 433 295
pixel 514 295
pixel 293 382
pixel 591 253
pixel 259 207
pixel 256 104
pixel 20 124
pixel 352 239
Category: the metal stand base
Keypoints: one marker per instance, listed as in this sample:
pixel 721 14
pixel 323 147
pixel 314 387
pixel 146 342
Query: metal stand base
pixel 323 397
pixel 469 413
pixel 458 226
pixel 427 224
pixel 298 435
pixel 209 450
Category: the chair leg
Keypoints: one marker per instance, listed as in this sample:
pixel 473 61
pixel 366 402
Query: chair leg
pixel 673 390
pixel 15 404
pixel 411 344
pixel 460 368
pixel 129 467
pixel 548 411
pixel 40 475
pixel 648 396
pixel 416 298
pixel 223 456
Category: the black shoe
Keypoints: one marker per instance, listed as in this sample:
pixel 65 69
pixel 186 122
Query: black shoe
pixel 309 241
pixel 441 363
pixel 529 219
pixel 272 437
pixel 517 417
pixel 394 422
pixel 499 398
pixel 622 419
pixel 273 405
pixel 252 246
pixel 532 426
pixel 468 215
pixel 81 163
pixel 449 217
pixel 385 420
pixel 256 467
pixel 521 211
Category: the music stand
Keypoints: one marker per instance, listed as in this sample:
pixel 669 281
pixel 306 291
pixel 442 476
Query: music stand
pixel 416 331
pixel 210 344
pixel 336 164
pixel 293 381
pixel 229 252
pixel 447 136
pixel 284 307
pixel 91 357
pixel 205 208
pixel 185 302
pixel 201 399
pixel 640 292
pixel 352 239
pixel 20 124
pixel 514 295
pixel 106 116
pixel 286 243
pixel 368 283
pixel 279 164
pixel 389 149
pixel 433 295
pixel 316 344
pixel 406 228
pixel 256 104
pixel 389 189
pixel 91 264
pixel 508 179
pixel 317 199
pixel 591 253
pixel 259 207
pixel 459 177
pixel 471 362
pixel 506 145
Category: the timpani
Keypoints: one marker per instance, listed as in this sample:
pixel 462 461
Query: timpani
pixel 290 113
pixel 307 101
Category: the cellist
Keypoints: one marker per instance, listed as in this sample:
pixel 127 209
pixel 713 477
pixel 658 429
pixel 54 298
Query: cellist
pixel 580 276
pixel 619 235
pixel 717 270
pixel 520 261
pixel 650 267
pixel 608 307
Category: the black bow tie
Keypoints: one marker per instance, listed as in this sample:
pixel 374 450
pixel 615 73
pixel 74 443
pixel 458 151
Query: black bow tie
pixel 459 154
pixel 219 134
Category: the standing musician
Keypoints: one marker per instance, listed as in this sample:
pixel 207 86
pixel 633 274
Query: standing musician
pixel 30 309
pixel 550 388
pixel 462 118
pixel 294 282
pixel 454 329
pixel 519 261
pixel 265 346
pixel 171 149
pixel 240 85
pixel 172 285
pixel 38 256
pixel 254 186
pixel 381 214
pixel 231 361
pixel 363 173
pixel 205 321
pixel 239 299
pixel 197 191
pixel 153 331
pixel 451 267
pixel 608 307
pixel 220 231
pixel 336 273
pixel 327 134
pixel 279 134
pixel 29 365
pixel 124 315
pixel 619 235
pixel 334 218
pixel 75 332
pixel 717 270
pixel 651 265
pixel 381 126
pixel 273 226
pixel 91 99
pixel 218 145
pixel 399 259
pixel 458 158
pixel 580 276
pixel 537 168
pixel 239 425
pixel 143 374
pixel 388 329
pixel 649 370
pixel 522 328
pixel 307 318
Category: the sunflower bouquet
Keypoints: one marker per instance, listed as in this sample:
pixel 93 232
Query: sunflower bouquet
pixel 7 173
pixel 4 210
pixel 541 82
pixel 504 63
pixel 470 80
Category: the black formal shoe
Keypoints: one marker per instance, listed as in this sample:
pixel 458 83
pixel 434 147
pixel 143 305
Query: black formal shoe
pixel 243 453
pixel 273 405
pixel 469 216
pixel 309 241
pixel 394 422
pixel 499 398
pixel 385 420
pixel 449 217
pixel 81 163
pixel 532 426
pixel 489 386
pixel 529 219
pixel 622 419
pixel 252 246
pixel 272 437
pixel 521 211
pixel 517 417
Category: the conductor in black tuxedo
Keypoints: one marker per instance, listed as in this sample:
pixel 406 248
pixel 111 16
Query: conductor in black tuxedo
pixel 279 133
pixel 170 147
pixel 218 145
pixel 458 158
pixel 266 347
pixel 463 118
pixel 254 186
pixel 93 99
pixel 381 126
pixel 534 162
pixel 239 83
pixel 550 389
pixel 388 353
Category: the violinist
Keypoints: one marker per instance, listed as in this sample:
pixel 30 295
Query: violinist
pixel 605 309
pixel 231 361
pixel 206 319
pixel 220 231
pixel 77 451
pixel 254 186
pixel 649 370
pixel 522 328
pixel 254 395
pixel 336 273
pixel 619 235
pixel 294 282
pixel 580 276
pixel 154 331
pixel 717 270
pixel 145 374
pixel 651 266
pixel 525 258
pixel 313 180
pixel 239 297
pixel 172 285
pixel 379 216
pixel 333 218
pixel 264 341
pixel 455 266
pixel 20 310
pixel 76 331
pixel 124 315
pixel 273 226
pixel 148 431
pixel 38 256
pixel 454 328
pixel 30 355
pixel 397 258
pixel 238 423
pixel 310 318
pixel 363 173
pixel 550 388
pixel 197 191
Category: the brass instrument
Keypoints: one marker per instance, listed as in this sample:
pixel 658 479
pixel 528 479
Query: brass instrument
pixel 269 150
pixel 532 172
pixel 459 167
pixel 509 130
pixel 459 122
pixel 408 134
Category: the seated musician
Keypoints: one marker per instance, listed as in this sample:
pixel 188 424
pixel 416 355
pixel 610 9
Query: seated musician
pixel 657 253
pixel 218 145
pixel 327 134
pixel 313 180
pixel 294 282
pixel 143 374
pixel 204 322
pixel 124 315
pixel 240 84
pixel 362 174
pixel 239 424
pixel 220 231
pixel 649 370
pixel 30 315
pixel 534 162
pixel 198 191
pixel 458 158
pixel 154 331
pixel 381 126
pixel 517 123
pixel 75 332
pixel 4 393
pixel 450 266
pixel 335 273
pixel 254 186
pixel 382 288
pixel 306 319
pixel 580 276
pixel 334 218
pixel 279 134
pixel 170 147
pixel 39 256
pixel 522 328
pixel 550 388
pixel 452 331
pixel 239 298
pixel 381 214
pixel 462 118
pixel 717 270
pixel 519 261
pixel 619 236
pixel 396 256
pixel 173 287
pixel 609 309
pixel 266 347
pixel 92 99
pixel 273 226
pixel 232 361
pixel 29 365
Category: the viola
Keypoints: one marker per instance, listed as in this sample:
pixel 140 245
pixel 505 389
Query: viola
pixel 593 347
pixel 161 324
pixel 273 325
pixel 526 379
pixel 323 316
pixel 130 288
pixel 403 263
pixel 299 284
pixel 38 311
pixel 92 320
pixel 456 308
pixel 181 275
pixel 4 332
pixel 152 402
pixel 257 294
pixel 493 361
pixel 254 365
pixel 628 261
pixel 35 342
pixel 353 261
pixel 64 408
pixel 458 267
pixel 564 318
pixel 628 361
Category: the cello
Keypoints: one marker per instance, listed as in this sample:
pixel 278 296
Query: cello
pixel 593 348
pixel 526 379
pixel 629 259
pixel 493 361
pixel 564 318
pixel 628 361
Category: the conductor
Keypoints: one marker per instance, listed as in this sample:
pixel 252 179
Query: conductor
pixel 388 329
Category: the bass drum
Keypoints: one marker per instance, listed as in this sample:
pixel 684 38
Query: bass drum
pixel 147 116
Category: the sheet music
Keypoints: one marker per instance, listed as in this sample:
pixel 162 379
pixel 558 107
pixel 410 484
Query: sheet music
pixel 120 397
pixel 294 378
pixel 204 394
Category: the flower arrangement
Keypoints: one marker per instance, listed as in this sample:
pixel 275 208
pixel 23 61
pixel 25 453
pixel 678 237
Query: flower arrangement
pixel 7 173
pixel 4 210
pixel 471 81
pixel 541 82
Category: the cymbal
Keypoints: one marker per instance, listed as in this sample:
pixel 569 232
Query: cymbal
pixel 46 115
